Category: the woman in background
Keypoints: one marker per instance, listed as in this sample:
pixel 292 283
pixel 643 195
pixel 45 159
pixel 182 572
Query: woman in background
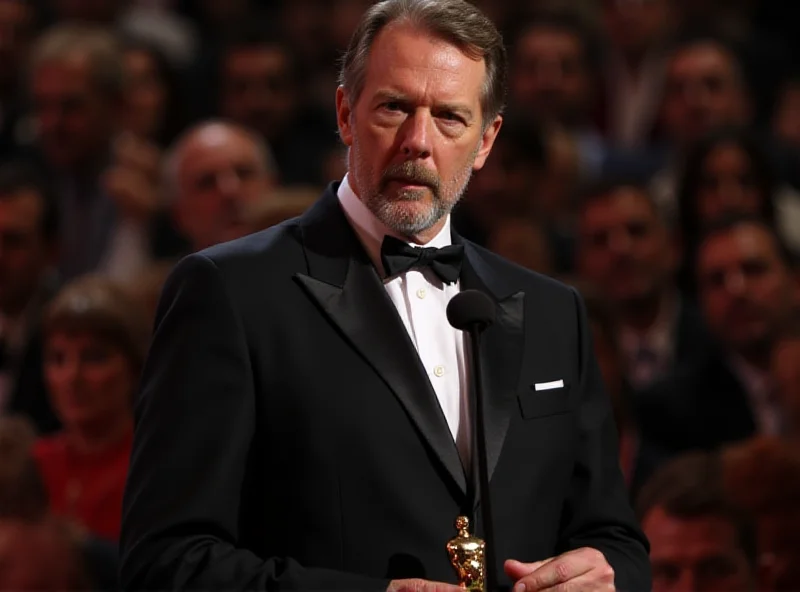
pixel 95 343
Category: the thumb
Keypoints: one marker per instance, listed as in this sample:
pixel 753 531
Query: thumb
pixel 516 569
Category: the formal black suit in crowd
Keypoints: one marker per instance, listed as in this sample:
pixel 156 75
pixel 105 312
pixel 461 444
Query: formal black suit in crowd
pixel 287 436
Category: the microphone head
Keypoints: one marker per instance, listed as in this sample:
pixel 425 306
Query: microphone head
pixel 471 310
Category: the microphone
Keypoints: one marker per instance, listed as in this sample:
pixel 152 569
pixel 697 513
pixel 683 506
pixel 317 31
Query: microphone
pixel 473 311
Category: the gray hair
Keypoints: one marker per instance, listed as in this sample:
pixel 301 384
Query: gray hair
pixel 455 21
pixel 98 45
pixel 174 156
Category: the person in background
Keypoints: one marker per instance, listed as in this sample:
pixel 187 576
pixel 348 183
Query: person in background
pixel 748 293
pixel 212 174
pixel 24 503
pixel 17 30
pixel 762 478
pixel 95 342
pixel 728 172
pixel 554 69
pixel 626 249
pixel 29 225
pixel 699 541
pixel 634 69
pixel 260 88
pixel 77 85
pixel 154 108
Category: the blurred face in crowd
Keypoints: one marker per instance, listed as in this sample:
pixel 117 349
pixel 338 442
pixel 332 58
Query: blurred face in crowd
pixel 728 184
pixel 90 380
pixel 779 548
pixel 746 289
pixel 786 373
pixel 624 248
pixel 25 254
pixel 699 554
pixel 258 89
pixel 219 171
pixel 636 25
pixel 786 120
pixel 145 96
pixel 416 131
pixel 15 29
pixel 550 78
pixel 75 118
pixel 703 91
pixel 37 556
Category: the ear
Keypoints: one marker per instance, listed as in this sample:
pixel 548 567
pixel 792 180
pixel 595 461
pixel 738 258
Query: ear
pixel 344 115
pixel 487 141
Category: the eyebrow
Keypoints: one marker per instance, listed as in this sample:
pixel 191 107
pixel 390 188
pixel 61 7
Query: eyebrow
pixel 459 108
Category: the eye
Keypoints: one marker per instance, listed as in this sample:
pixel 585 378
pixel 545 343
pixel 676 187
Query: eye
pixel 392 106
pixel 451 117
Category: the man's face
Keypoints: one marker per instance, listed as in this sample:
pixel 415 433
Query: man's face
pixel 624 248
pixel 75 119
pixel 24 253
pixel 745 288
pixel 549 79
pixel 636 25
pixel 15 29
pixel 257 89
pixel 220 173
pixel 703 92
pixel 416 132
pixel 698 554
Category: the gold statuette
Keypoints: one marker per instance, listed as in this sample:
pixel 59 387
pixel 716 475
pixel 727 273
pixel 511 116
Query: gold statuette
pixel 467 554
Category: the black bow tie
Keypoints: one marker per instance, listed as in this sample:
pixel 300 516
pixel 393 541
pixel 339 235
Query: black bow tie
pixel 398 257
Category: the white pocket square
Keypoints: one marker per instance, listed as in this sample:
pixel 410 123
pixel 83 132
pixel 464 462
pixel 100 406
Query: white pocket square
pixel 546 386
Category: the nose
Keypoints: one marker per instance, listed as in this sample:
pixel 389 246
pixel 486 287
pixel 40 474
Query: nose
pixel 228 183
pixel 415 141
pixel 735 282
pixel 620 242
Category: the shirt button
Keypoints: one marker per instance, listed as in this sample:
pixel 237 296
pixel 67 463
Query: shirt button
pixel 421 293
pixel 439 371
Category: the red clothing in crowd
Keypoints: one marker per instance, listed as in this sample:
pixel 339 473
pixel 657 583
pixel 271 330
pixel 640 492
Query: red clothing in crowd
pixel 85 488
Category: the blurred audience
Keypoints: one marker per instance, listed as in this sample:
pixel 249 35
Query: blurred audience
pixel 650 153
pixel 95 343
pixel 626 249
pixel 29 230
pixel 699 542
pixel 748 294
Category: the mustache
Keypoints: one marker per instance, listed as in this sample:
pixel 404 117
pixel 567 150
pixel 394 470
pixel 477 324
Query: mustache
pixel 411 172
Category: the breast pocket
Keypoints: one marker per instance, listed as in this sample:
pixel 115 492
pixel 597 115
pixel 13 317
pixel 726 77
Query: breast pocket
pixel 554 401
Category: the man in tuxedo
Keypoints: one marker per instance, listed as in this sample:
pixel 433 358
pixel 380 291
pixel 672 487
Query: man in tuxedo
pixel 302 420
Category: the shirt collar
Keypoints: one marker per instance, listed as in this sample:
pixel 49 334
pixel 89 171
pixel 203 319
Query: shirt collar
pixel 371 231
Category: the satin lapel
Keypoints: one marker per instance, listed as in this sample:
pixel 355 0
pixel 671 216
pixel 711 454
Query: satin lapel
pixel 355 300
pixel 501 351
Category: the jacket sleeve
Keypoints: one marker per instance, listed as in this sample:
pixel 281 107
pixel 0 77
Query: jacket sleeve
pixel 195 422
pixel 597 512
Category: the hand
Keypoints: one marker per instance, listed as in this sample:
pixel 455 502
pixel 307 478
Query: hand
pixel 581 570
pixel 420 585
pixel 132 180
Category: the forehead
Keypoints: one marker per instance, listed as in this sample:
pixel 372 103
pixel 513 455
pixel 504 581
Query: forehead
pixel 621 202
pixel 215 145
pixel 701 58
pixel 266 56
pixel 71 71
pixel 746 241
pixel 409 60
pixel 674 537
pixel 544 39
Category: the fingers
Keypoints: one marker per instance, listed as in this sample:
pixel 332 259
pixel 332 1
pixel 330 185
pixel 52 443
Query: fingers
pixel 420 585
pixel 582 569
pixel 516 570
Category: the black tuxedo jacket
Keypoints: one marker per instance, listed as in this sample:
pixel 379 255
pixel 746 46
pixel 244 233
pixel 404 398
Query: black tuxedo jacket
pixel 287 436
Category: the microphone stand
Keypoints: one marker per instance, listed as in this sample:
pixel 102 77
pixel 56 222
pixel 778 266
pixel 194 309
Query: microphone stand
pixel 480 459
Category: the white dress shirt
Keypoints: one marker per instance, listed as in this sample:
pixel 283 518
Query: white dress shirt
pixel 421 298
